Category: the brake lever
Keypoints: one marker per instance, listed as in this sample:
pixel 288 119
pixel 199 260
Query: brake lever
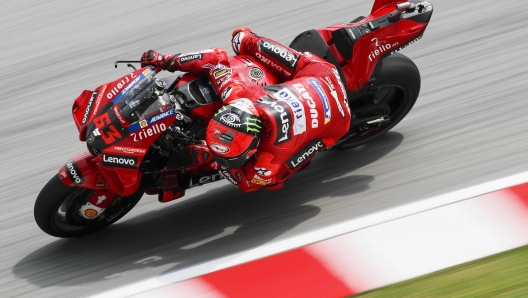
pixel 128 63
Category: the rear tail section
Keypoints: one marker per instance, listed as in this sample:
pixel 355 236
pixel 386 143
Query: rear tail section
pixel 379 4
pixel 356 48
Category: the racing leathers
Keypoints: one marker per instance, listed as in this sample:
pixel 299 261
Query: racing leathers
pixel 305 114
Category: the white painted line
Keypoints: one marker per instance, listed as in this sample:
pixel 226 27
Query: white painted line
pixel 227 231
pixel 426 242
pixel 316 236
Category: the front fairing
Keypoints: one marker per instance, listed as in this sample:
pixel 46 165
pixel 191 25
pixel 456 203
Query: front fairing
pixel 130 119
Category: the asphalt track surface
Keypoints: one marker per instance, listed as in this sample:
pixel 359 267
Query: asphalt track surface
pixel 468 127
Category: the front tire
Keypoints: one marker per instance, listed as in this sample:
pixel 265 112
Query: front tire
pixel 393 92
pixel 57 207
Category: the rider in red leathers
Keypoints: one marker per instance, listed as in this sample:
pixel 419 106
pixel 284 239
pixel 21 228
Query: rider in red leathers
pixel 264 140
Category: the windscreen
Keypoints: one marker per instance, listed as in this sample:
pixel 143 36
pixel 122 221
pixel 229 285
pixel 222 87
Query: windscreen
pixel 146 98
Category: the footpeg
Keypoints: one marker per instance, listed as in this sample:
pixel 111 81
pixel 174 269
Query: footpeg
pixel 374 123
pixel 370 123
pixel 380 120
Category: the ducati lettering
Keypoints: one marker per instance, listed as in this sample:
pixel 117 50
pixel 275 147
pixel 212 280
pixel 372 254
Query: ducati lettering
pixel 191 57
pixel 279 53
pixel 119 161
pixel 144 133
pixel 282 116
pixel 305 153
pixel 324 99
pixel 299 118
pixel 197 180
pixel 311 104
pixel 272 64
pixel 106 129
pixel 74 173
pixel 89 107
pixel 228 176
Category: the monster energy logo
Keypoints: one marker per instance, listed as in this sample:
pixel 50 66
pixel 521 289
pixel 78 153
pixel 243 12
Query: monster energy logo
pixel 221 110
pixel 253 124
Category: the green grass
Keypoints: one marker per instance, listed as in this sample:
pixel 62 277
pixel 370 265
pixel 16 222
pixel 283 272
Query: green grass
pixel 501 275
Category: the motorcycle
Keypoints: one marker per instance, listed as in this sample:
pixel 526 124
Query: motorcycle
pixel 137 127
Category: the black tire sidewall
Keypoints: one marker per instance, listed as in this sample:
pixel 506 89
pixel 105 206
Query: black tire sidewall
pixel 395 70
pixel 48 201
pixel 52 196
pixel 400 71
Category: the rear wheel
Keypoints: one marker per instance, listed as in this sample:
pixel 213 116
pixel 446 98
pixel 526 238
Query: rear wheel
pixel 57 207
pixel 392 93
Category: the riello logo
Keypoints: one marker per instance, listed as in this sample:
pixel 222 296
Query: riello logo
pixel 153 130
pixel 380 49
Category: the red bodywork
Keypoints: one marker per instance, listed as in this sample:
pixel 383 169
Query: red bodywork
pixel 369 49
pixel 87 171
pixel 110 181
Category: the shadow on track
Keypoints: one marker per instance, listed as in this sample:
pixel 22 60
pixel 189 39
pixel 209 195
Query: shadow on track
pixel 220 222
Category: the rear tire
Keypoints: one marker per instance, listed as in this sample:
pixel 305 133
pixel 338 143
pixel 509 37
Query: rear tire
pixel 395 89
pixel 57 207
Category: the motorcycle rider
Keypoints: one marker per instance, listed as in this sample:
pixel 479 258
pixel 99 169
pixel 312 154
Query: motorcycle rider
pixel 264 140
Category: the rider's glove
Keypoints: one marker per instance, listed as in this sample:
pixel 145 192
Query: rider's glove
pixel 238 36
pixel 200 153
pixel 154 59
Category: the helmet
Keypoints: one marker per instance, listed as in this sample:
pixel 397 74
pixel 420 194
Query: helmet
pixel 234 133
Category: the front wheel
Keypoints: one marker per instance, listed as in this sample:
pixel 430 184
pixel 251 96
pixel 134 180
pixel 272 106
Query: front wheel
pixel 392 92
pixel 57 207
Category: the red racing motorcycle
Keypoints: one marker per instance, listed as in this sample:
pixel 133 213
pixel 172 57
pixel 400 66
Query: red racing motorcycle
pixel 137 127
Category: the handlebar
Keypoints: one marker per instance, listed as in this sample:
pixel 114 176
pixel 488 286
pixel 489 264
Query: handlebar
pixel 128 63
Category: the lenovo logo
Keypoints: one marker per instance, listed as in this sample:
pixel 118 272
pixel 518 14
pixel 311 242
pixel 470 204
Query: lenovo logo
pixel 119 161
